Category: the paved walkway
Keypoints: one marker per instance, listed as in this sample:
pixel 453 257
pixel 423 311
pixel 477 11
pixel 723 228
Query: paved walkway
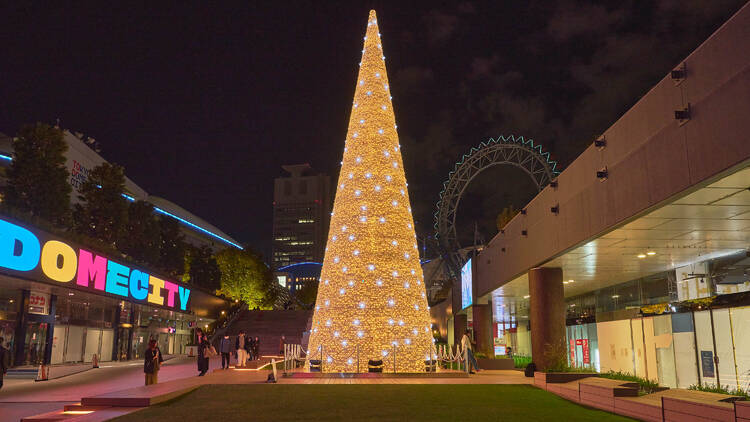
pixel 25 397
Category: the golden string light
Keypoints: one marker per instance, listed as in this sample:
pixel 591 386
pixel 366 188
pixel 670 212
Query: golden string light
pixel 371 297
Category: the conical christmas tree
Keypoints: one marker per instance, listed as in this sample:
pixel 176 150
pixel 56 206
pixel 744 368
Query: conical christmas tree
pixel 371 300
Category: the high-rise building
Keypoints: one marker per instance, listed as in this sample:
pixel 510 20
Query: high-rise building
pixel 301 212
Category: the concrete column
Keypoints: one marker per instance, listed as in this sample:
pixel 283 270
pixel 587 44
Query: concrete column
pixel 547 314
pixel 483 329
pixel 459 327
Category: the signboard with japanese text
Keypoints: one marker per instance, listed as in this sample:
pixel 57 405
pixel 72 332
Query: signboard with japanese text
pixel 39 303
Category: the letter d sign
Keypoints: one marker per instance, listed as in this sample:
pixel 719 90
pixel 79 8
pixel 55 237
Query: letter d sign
pixel 19 248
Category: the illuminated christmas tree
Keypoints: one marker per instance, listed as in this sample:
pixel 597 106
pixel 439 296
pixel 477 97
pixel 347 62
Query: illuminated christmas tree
pixel 371 299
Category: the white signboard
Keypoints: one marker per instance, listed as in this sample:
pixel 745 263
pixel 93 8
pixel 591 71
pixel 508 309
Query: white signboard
pixel 39 303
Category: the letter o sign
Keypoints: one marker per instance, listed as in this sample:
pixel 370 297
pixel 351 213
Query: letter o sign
pixel 59 261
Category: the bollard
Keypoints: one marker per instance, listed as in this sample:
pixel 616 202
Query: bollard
pixel 94 361
pixel 273 366
pixel 43 373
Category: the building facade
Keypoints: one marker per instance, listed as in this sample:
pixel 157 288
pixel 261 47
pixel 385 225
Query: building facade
pixel 636 259
pixel 295 276
pixel 301 214
pixel 61 302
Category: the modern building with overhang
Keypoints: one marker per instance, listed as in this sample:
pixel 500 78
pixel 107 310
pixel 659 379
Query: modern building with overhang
pixel 62 302
pixel 637 257
pixel 74 323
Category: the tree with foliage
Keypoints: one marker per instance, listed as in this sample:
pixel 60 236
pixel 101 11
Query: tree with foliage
pixel 244 276
pixel 505 216
pixel 172 247
pixel 103 211
pixel 202 268
pixel 37 177
pixel 142 239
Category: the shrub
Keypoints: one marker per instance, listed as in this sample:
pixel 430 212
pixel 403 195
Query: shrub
pixel 520 361
pixel 710 388
pixel 645 386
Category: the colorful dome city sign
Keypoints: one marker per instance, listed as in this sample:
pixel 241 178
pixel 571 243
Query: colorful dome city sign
pixel 36 255
pixel 512 151
pixel 371 304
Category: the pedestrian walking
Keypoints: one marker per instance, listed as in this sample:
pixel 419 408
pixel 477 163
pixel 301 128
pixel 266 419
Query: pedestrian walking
pixel 466 345
pixel 241 345
pixel 282 342
pixel 225 348
pixel 3 361
pixel 256 347
pixel 203 352
pixel 152 362
pixel 250 348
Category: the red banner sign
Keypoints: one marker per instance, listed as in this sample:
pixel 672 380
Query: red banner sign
pixel 586 357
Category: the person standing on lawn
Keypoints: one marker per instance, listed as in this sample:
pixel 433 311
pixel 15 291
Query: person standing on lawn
pixel 152 362
pixel 225 348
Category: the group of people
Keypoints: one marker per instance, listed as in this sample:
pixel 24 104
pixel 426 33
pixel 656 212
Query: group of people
pixel 245 348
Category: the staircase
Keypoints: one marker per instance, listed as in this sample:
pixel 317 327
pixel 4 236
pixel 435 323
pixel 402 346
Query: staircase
pixel 269 326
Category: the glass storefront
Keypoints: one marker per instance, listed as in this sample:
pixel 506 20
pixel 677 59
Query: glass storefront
pixel 84 325
pixel 699 335
pixel 10 300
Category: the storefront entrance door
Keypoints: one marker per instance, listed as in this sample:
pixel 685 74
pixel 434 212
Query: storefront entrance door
pixel 35 343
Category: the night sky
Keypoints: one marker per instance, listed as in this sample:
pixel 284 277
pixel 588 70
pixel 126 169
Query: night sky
pixel 203 102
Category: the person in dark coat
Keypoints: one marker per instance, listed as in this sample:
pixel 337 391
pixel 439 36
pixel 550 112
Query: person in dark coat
pixel 251 347
pixel 3 361
pixel 152 362
pixel 282 343
pixel 203 346
pixel 225 348
pixel 256 347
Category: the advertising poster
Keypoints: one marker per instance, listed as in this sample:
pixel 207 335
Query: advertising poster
pixel 466 286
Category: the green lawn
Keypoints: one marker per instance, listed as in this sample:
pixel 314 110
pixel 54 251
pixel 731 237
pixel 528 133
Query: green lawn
pixel 413 402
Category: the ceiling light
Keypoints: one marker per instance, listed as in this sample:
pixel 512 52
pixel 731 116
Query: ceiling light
pixel 571 281
pixel 641 255
pixel 526 297
pixel 615 296
pixel 650 253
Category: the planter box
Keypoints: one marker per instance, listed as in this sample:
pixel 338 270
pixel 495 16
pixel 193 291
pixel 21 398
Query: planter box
pixel 541 379
pixel 638 409
pixel 500 363
pixel 679 410
pixel 742 411
pixel 601 392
